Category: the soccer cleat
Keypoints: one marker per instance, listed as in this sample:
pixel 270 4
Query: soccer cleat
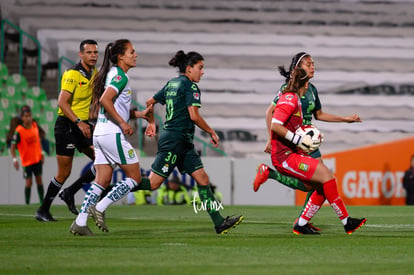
pixel 310 224
pixel 354 224
pixel 44 216
pixel 304 230
pixel 69 200
pixel 228 223
pixel 262 175
pixel 99 218
pixel 80 230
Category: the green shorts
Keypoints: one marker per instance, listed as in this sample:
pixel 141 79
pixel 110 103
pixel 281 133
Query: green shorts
pixel 34 169
pixel 175 150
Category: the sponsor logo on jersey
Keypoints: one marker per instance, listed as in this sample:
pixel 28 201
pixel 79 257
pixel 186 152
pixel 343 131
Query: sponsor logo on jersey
pixel 297 114
pixel 117 78
pixel 68 81
pixel 196 96
pixel 194 87
pixel 303 166
pixel 289 97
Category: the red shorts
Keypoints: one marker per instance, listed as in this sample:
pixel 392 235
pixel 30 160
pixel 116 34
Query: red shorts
pixel 298 166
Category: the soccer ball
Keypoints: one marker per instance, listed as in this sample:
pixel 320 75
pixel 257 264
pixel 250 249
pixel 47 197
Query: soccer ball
pixel 315 134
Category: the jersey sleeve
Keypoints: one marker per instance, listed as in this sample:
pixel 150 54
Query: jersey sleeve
pixel 70 79
pixel 193 96
pixel 160 96
pixel 285 107
pixel 118 82
pixel 276 99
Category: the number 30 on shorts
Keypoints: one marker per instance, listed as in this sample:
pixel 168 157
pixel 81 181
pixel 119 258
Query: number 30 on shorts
pixel 171 158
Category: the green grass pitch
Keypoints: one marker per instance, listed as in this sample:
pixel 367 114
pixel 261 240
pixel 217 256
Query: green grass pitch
pixel 175 240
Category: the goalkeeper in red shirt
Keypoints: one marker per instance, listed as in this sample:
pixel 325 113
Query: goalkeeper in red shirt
pixel 289 159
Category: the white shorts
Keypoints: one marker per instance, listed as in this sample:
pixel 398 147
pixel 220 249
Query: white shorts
pixel 113 149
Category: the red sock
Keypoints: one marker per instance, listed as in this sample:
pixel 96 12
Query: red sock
pixel 312 207
pixel 331 192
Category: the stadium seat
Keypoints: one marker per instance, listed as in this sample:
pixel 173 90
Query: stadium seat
pixel 9 105
pixel 36 93
pixel 18 81
pixel 11 92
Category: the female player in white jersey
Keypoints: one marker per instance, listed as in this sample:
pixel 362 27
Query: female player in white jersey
pixel 112 97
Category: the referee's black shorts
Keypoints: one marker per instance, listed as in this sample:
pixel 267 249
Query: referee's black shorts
pixel 68 136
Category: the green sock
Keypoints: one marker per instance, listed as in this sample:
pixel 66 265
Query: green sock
pixel 27 195
pixel 306 201
pixel 145 184
pixel 288 181
pixel 40 192
pixel 207 197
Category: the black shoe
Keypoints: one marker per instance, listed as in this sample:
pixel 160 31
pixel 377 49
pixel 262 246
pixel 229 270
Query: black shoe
pixel 228 223
pixel 304 230
pixel 69 200
pixel 354 224
pixel 44 216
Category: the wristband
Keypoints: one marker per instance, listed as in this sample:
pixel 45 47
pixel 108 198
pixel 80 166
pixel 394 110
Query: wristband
pixel 77 120
pixel 292 137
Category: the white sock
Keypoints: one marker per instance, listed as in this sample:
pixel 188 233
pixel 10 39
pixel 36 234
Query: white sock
pixel 120 190
pixel 91 198
pixel 345 221
pixel 302 221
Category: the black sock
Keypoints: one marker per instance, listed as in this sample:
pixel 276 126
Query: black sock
pixel 52 191
pixel 86 177
pixel 106 191
pixel 27 191
pixel 40 192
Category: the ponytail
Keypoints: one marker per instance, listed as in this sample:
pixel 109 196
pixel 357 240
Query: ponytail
pixel 182 60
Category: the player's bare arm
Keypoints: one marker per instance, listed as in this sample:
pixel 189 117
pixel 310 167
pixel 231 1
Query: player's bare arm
pixel 202 124
pixel 63 102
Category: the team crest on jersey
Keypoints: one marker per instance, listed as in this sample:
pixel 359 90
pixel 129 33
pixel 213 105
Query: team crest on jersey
pixel 196 96
pixel 131 153
pixel 117 78
pixel 304 167
pixel 289 97
pixel 165 168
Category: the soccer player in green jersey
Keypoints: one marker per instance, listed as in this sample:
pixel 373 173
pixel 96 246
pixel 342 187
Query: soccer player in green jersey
pixel 311 107
pixel 181 96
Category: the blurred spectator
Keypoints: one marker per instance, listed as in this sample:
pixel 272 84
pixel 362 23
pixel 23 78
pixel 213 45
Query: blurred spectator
pixel 140 197
pixel 26 140
pixel 408 183
pixel 16 121
pixel 173 193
